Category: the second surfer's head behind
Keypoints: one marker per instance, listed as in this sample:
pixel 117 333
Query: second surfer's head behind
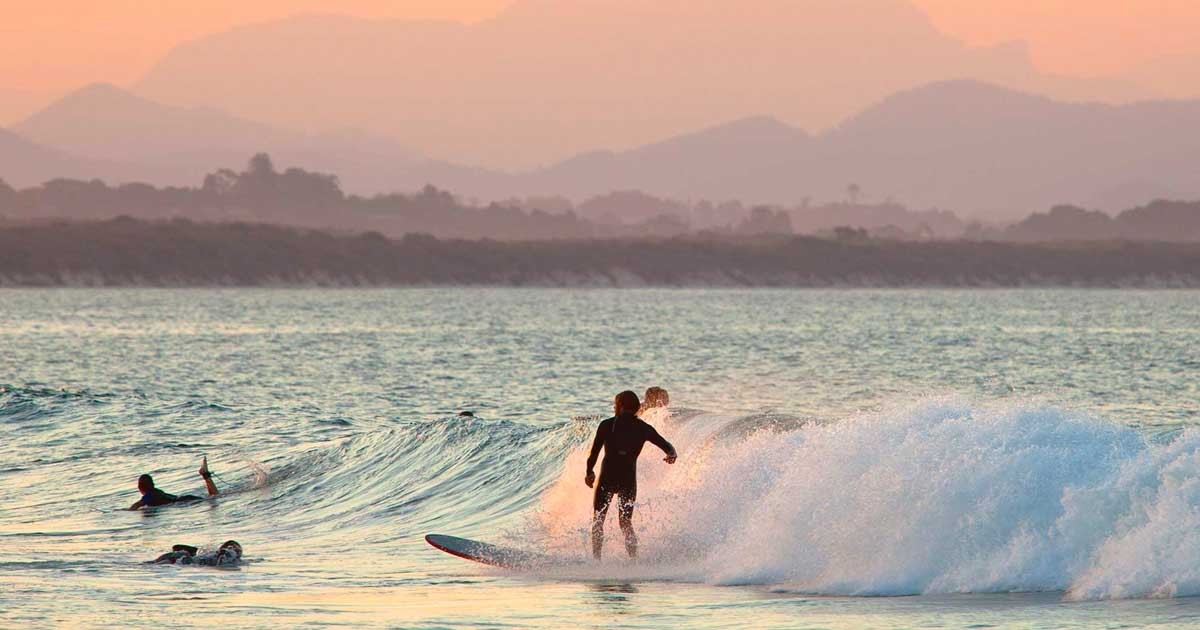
pixel 656 397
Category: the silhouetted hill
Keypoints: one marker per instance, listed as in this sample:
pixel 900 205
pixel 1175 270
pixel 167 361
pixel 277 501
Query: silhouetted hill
pixel 293 196
pixel 127 252
pixel 548 79
pixel 1064 223
pixel 947 144
pixel 104 121
pixel 24 163
pixel 1161 221
pixel 1158 221
pixel 980 150
pixel 167 145
pixel 745 155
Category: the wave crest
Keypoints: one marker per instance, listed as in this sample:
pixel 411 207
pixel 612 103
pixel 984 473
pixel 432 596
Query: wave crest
pixel 938 497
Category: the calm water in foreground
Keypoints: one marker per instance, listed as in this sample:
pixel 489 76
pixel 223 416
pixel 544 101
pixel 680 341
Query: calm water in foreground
pixel 848 458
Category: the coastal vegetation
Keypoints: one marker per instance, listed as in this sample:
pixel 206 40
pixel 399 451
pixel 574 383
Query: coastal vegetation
pixel 295 197
pixel 184 253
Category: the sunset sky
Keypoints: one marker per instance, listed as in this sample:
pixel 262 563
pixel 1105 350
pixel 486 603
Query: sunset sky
pixel 56 45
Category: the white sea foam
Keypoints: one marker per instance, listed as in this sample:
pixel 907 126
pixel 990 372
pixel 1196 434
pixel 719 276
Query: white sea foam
pixel 938 497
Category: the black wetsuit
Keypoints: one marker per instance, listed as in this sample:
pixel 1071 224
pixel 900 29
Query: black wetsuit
pixel 158 497
pixel 622 437
pixel 187 554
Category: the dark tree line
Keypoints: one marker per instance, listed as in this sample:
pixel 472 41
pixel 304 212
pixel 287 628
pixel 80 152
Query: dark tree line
pixel 131 252
pixel 302 198
pixel 1157 221
pixel 296 197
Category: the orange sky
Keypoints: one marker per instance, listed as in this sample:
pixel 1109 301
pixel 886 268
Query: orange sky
pixel 55 45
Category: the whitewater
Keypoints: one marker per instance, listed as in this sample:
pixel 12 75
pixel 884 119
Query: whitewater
pixel 847 458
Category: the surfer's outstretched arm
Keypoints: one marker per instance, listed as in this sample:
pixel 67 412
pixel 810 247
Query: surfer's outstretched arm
pixel 597 444
pixel 208 482
pixel 654 438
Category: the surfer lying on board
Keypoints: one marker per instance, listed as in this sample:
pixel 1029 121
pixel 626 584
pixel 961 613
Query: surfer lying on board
pixel 622 438
pixel 152 496
pixel 229 553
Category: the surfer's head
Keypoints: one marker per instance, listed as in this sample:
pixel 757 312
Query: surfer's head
pixel 145 484
pixel 626 402
pixel 657 397
pixel 233 546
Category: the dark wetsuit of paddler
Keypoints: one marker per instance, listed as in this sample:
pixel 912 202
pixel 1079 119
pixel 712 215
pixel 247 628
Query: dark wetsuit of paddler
pixel 153 496
pixel 622 438
pixel 156 497
pixel 229 553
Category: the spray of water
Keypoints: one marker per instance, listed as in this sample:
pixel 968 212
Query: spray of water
pixel 937 497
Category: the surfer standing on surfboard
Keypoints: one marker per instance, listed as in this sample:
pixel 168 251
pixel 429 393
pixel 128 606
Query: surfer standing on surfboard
pixel 622 438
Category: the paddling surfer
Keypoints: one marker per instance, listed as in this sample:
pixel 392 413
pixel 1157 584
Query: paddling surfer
pixel 622 438
pixel 153 496
pixel 229 553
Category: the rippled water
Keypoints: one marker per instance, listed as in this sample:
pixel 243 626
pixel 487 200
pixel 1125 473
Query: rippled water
pixel 998 457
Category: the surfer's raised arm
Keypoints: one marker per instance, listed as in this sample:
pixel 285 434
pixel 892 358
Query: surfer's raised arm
pixel 602 432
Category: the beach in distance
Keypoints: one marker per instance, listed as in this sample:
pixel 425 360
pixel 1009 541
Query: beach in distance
pixel 1006 457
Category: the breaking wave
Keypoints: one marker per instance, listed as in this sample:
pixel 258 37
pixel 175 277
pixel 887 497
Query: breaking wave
pixel 940 497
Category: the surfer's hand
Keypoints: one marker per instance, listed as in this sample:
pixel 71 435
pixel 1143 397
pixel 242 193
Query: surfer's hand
pixel 670 459
pixel 589 478
pixel 204 467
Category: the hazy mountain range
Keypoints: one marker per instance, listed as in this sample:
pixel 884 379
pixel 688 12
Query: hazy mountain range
pixel 977 149
pixel 548 79
pixel 973 148
pixel 24 163
pixel 135 138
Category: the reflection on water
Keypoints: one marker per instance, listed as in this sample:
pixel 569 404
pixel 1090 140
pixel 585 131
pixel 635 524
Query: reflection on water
pixel 614 597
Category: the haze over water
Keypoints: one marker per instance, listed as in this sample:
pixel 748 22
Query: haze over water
pixel 1012 458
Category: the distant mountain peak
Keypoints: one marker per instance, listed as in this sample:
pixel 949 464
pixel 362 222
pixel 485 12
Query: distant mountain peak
pixel 101 89
pixel 956 92
pixel 754 125
pixel 939 103
pixel 756 130
pixel 104 121
pixel 95 93
pixel 95 99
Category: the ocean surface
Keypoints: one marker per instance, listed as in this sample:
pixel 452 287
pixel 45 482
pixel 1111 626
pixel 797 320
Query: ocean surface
pixel 848 459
